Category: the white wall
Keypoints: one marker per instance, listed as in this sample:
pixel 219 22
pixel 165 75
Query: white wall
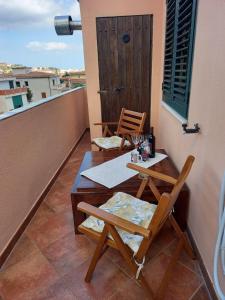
pixel 4 85
pixel 37 86
pixel 6 102
pixel 41 85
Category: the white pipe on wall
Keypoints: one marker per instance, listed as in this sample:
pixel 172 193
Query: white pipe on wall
pixel 220 243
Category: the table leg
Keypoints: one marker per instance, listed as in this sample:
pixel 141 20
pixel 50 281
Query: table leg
pixel 181 209
pixel 78 216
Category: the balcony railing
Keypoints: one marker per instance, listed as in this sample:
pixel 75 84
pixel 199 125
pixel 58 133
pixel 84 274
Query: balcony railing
pixel 8 92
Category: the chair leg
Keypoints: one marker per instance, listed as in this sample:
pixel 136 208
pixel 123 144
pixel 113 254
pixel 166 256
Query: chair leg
pixel 166 277
pixel 129 260
pixel 182 235
pixel 97 254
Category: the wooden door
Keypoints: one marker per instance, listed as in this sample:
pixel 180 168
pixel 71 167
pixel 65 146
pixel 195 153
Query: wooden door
pixel 124 56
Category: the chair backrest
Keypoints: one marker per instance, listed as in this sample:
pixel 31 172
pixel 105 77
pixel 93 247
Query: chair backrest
pixel 165 205
pixel 167 200
pixel 131 121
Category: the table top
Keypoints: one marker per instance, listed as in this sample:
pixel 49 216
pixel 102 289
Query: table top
pixel 93 158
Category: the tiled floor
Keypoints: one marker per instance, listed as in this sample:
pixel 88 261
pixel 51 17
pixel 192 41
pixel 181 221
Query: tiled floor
pixel 49 261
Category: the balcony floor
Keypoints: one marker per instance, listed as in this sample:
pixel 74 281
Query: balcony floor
pixel 49 261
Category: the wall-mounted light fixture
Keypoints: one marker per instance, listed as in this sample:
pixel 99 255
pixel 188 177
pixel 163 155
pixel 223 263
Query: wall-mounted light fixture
pixel 64 25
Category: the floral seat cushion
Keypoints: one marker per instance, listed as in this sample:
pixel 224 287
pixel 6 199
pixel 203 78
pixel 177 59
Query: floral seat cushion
pixel 110 142
pixel 129 208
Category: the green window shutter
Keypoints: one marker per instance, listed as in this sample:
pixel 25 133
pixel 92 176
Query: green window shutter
pixel 17 101
pixel 184 26
pixel 169 46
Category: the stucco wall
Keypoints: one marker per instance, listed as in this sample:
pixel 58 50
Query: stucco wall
pixel 37 86
pixel 6 102
pixel 36 142
pixel 101 8
pixel 207 107
pixel 4 85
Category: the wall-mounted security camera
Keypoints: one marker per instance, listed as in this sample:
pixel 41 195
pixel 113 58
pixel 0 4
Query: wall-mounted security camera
pixel 64 25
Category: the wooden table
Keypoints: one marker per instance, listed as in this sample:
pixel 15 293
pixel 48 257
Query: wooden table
pixel 96 194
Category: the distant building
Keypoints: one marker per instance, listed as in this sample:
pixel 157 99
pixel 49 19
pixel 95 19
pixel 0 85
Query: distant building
pixel 74 79
pixel 20 70
pixel 41 84
pixel 74 82
pixel 52 70
pixel 78 74
pixel 11 97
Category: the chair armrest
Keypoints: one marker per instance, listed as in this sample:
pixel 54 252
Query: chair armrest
pixel 113 219
pixel 106 123
pixel 152 173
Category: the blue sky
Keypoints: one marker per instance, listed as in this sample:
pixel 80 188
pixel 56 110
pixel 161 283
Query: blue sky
pixel 27 34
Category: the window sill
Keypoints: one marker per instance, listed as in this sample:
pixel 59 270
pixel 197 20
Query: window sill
pixel 173 113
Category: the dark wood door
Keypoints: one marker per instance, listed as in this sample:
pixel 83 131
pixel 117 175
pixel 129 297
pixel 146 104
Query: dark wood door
pixel 124 56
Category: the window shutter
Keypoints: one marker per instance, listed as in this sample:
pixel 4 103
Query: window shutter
pixel 169 46
pixel 184 25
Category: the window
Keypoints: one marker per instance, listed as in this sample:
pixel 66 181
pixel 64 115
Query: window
pixel 11 84
pixel 43 95
pixel 17 83
pixel 180 25
pixel 53 81
pixel 26 83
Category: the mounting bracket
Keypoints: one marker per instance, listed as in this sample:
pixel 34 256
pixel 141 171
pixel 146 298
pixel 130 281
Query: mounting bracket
pixel 196 129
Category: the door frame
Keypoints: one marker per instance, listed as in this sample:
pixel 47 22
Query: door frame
pixel 150 65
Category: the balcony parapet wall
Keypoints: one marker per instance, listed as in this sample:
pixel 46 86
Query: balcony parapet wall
pixel 36 140
pixel 9 92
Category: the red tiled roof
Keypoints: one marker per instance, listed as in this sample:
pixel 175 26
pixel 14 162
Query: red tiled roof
pixel 35 75
pixel 5 76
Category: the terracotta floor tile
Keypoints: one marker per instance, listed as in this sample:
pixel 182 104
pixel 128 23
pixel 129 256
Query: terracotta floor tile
pixel 24 247
pixel 57 271
pixel 201 294
pixel 69 252
pixel 57 291
pixel 130 291
pixel 59 202
pixel 115 256
pixel 42 215
pixel 55 228
pixel 106 278
pixel 165 236
pixel 183 282
pixel 184 259
pixel 26 276
pixel 57 186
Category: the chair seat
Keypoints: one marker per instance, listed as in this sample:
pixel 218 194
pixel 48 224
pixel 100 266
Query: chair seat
pixel 110 142
pixel 129 208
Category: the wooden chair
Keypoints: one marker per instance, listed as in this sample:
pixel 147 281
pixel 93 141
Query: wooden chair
pixel 111 226
pixel 130 122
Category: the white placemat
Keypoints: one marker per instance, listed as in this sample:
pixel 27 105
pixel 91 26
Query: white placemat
pixel 115 171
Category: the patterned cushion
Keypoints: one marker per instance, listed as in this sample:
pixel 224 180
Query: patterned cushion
pixel 129 208
pixel 110 142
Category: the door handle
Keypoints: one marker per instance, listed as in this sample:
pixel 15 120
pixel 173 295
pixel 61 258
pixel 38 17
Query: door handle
pixel 102 92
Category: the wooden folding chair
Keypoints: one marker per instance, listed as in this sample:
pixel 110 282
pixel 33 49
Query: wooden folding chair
pixel 130 122
pixel 130 225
